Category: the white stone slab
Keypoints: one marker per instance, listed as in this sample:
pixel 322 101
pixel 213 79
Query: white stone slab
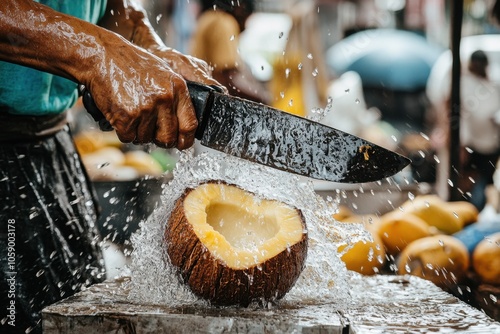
pixel 380 304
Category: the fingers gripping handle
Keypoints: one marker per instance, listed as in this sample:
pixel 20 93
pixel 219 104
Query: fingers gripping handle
pixel 97 115
pixel 199 93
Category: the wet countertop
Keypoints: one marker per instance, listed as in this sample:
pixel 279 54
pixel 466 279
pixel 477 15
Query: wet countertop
pixel 380 304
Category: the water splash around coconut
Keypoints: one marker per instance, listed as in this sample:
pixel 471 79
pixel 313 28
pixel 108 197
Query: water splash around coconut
pixel 324 279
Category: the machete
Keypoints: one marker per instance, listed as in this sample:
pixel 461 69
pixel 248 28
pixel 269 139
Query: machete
pixel 274 138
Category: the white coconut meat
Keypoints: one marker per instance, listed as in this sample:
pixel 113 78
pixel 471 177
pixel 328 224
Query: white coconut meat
pixel 239 228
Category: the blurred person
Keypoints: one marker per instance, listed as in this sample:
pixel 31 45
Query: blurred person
pixel 49 245
pixel 479 129
pixel 479 125
pixel 216 39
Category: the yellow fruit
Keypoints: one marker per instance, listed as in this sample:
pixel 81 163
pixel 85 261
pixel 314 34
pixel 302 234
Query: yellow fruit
pixel 433 210
pixel 370 222
pixel 486 259
pixel 397 229
pixel 144 163
pixel 441 259
pixel 342 213
pixel 465 211
pixel 101 165
pixel 364 257
pixel 88 142
pixel 106 164
pixel 110 139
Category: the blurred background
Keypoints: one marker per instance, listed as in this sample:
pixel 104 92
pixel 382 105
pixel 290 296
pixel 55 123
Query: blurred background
pixel 379 69
pixel 367 62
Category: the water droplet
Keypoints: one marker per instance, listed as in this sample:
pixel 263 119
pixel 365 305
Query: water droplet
pixel 281 34
pixel 40 272
pixel 357 101
pixel 102 165
pixel 287 73
pixel 310 56
pixel 114 200
pixel 282 94
pixel 290 103
pixel 299 66
pixel 315 72
pixel 158 17
pixel 450 183
pixel 231 38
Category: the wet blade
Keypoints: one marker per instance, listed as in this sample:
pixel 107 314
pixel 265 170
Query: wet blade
pixel 271 137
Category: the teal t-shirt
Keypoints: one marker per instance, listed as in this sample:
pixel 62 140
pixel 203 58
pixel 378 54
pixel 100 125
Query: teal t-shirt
pixel 30 92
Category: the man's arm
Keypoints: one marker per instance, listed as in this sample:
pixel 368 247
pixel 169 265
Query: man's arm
pixel 36 36
pixel 142 98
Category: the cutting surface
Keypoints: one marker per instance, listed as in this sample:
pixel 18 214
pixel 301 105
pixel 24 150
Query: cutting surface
pixel 380 304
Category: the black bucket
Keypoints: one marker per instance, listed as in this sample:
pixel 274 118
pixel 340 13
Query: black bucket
pixel 124 204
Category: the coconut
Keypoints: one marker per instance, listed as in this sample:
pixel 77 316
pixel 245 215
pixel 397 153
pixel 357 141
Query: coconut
pixel 232 247
pixel 441 259
pixel 486 259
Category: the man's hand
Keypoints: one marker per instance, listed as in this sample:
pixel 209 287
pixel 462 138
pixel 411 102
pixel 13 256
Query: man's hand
pixel 142 98
pixel 190 68
pixel 172 111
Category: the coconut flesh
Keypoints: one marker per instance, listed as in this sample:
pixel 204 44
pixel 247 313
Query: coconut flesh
pixel 324 278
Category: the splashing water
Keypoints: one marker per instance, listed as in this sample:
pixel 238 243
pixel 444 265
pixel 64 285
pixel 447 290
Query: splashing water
pixel 324 279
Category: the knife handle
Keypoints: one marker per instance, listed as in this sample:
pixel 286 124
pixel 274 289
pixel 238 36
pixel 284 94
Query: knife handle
pixel 200 96
pixel 89 104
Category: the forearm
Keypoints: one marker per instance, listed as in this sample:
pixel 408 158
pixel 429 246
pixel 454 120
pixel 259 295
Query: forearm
pixel 36 36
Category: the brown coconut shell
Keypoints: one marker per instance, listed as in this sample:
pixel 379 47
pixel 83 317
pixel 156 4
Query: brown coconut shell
pixel 192 248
